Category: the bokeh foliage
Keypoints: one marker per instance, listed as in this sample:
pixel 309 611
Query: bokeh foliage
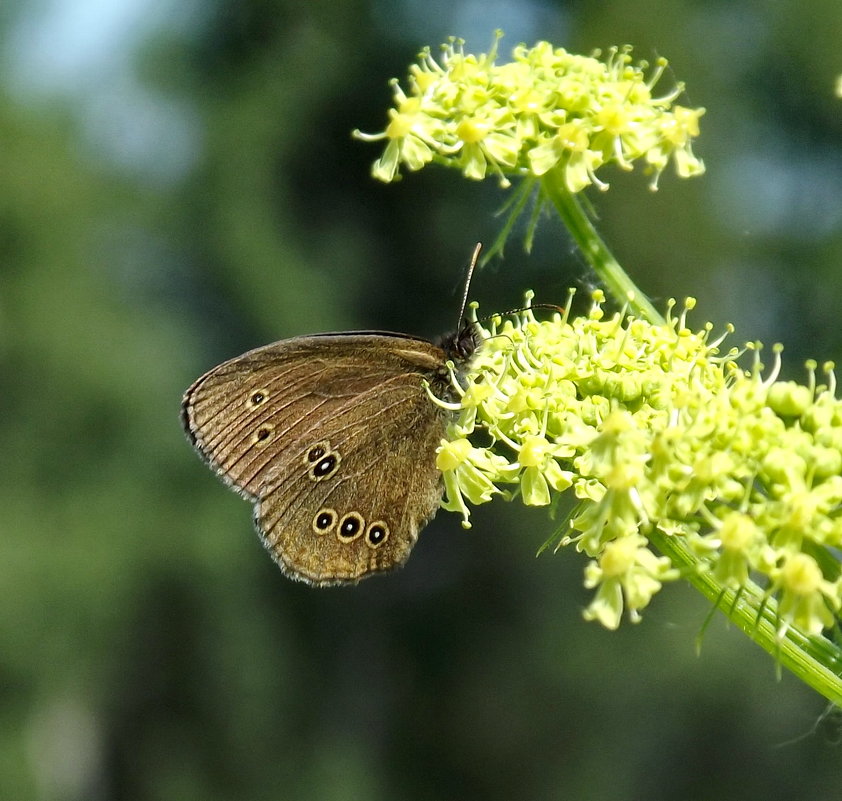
pixel 148 648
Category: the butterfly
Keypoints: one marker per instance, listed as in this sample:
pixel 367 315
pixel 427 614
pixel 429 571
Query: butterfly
pixel 333 438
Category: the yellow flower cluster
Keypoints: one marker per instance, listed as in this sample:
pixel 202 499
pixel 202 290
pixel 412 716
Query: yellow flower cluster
pixel 547 112
pixel 655 430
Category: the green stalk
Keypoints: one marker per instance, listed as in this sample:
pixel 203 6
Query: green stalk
pixel 815 660
pixel 606 267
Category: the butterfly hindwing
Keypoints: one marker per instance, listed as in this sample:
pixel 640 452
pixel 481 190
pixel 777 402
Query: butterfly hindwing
pixel 357 487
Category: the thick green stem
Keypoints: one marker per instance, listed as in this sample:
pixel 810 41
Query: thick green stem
pixel 610 273
pixel 815 660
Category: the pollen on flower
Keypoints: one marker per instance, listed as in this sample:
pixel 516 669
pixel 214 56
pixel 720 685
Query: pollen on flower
pixel 399 126
pixel 452 454
pixel 533 451
pixel 738 532
pixel 619 556
pixel 624 476
pixel 808 600
pixel 801 575
pixel 656 428
pixel 627 574
pixel 546 112
pixel 472 131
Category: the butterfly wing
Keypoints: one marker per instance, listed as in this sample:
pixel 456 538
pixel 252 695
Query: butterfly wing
pixel 334 438
pixel 358 487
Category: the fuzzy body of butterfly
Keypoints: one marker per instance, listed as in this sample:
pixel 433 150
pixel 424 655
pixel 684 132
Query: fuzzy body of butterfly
pixel 333 437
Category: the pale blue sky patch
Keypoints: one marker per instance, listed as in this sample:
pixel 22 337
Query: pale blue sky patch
pixel 83 51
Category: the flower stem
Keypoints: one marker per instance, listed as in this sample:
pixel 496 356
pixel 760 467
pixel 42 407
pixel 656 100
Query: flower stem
pixel 608 270
pixel 815 660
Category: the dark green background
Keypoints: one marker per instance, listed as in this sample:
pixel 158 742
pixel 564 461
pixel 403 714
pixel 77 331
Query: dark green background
pixel 195 192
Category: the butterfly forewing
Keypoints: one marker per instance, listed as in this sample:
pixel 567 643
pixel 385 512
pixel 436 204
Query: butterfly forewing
pixel 242 415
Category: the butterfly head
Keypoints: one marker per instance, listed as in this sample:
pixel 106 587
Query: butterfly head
pixel 461 345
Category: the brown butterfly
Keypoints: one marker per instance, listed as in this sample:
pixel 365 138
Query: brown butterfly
pixel 333 437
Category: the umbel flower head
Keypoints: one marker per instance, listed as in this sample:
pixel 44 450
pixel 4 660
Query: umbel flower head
pixel 545 111
pixel 654 430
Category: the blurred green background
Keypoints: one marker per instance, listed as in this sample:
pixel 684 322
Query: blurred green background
pixel 178 184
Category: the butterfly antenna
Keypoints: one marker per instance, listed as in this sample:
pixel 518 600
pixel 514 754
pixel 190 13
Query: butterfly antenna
pixel 471 268
pixel 549 306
